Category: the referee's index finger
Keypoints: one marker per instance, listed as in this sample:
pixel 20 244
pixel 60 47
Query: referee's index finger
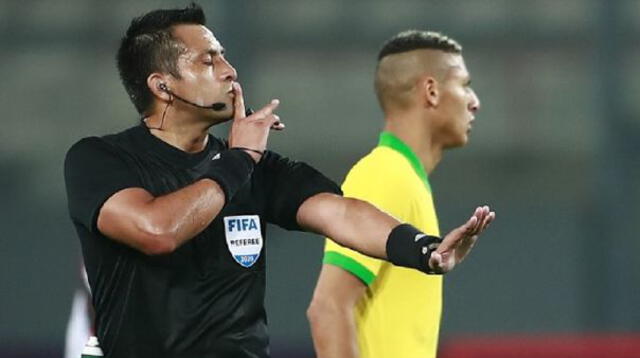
pixel 268 109
pixel 238 102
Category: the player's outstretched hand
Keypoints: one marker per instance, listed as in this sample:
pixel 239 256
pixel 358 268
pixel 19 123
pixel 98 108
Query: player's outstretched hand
pixel 459 242
pixel 252 131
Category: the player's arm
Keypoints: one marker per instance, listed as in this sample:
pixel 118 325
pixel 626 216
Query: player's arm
pixel 360 226
pixel 331 313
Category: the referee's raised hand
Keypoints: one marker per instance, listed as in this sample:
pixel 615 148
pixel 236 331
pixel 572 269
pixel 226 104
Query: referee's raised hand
pixel 459 242
pixel 251 132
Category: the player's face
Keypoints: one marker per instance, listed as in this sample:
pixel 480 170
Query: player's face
pixel 207 77
pixel 458 104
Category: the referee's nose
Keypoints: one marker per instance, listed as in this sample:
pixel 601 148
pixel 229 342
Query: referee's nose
pixel 227 71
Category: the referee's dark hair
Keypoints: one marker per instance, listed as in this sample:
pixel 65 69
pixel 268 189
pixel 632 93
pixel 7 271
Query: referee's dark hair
pixel 415 40
pixel 149 46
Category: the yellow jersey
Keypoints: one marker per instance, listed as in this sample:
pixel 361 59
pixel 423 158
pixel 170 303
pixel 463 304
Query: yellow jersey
pixel 399 316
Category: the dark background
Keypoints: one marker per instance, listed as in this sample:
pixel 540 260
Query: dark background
pixel 554 149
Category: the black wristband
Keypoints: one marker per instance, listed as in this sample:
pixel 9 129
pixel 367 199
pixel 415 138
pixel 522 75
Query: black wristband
pixel 231 169
pixel 410 247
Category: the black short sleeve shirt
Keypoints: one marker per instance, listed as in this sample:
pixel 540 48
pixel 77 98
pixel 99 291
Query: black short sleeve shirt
pixel 206 299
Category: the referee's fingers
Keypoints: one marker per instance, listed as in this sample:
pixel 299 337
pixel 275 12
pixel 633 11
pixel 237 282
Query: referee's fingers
pixel 278 126
pixel 435 261
pixel 487 221
pixel 267 110
pixel 479 214
pixel 492 217
pixel 238 102
pixel 274 119
pixel 458 234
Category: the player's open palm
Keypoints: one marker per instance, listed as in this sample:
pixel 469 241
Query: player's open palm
pixel 459 242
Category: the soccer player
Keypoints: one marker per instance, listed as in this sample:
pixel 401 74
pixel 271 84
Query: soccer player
pixel 366 307
pixel 172 220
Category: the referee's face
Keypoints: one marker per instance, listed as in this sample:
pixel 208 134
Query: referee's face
pixel 207 76
pixel 458 104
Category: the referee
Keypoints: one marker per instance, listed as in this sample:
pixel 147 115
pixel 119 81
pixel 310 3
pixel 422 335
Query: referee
pixel 172 220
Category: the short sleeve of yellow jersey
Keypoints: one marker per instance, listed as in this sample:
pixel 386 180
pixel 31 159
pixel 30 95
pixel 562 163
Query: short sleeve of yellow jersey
pixel 380 179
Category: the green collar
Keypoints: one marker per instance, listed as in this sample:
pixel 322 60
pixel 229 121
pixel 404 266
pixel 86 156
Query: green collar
pixel 387 139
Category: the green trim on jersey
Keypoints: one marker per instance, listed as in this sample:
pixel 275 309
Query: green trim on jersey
pixel 349 264
pixel 388 139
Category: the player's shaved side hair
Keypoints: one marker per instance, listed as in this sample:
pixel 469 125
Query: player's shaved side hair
pixel 400 63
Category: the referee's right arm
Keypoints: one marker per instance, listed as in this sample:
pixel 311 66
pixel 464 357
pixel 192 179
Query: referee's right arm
pixel 159 225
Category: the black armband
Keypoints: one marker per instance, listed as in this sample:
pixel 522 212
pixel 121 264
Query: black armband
pixel 231 169
pixel 410 247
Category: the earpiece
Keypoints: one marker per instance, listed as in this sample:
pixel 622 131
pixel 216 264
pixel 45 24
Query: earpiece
pixel 163 87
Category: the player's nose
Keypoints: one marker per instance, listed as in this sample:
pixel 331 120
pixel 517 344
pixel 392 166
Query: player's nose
pixel 474 104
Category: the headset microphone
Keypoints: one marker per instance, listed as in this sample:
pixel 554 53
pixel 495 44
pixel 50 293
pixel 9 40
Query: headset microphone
pixel 218 106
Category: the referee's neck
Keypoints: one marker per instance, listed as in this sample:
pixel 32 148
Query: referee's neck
pixel 187 138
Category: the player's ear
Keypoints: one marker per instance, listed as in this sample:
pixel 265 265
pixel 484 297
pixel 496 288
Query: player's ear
pixel 158 85
pixel 429 91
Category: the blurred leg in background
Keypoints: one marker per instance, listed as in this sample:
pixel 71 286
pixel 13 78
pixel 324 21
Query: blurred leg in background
pixel 80 325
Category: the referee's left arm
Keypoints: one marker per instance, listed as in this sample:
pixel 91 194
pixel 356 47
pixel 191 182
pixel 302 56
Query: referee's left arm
pixel 361 226
pixel 347 221
pixel 300 197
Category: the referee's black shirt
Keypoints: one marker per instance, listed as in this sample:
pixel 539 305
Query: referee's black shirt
pixel 206 299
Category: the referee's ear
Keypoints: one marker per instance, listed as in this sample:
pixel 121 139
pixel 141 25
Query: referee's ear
pixel 160 87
